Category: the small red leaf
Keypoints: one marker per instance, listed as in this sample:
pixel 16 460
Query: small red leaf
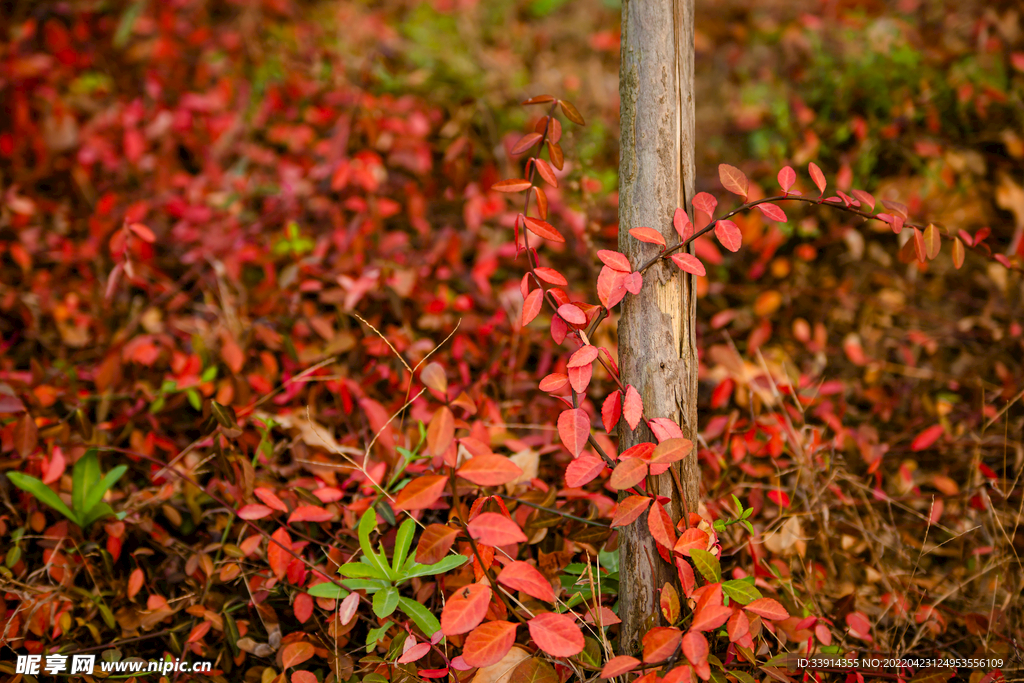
pixel 512 185
pixel 539 99
pixel 295 654
pixel 728 233
pixel 768 608
pixel 143 232
pixel 583 470
pixel 734 180
pixel 689 540
pixel 310 513
pixel 661 527
pixel 420 493
pixel 494 529
pixel 681 222
pixel 254 511
pixel 689 263
pixel 551 276
pixel 928 437
pixel 543 229
pixel 628 473
pixel 629 510
pixel 614 259
pixel 705 202
pixel 546 172
pixel 634 281
pixel 532 305
pixel 649 235
pixel 611 286
pixel 571 112
pixel 522 576
pixel 525 143
pixel 490 470
pixel 572 314
pixel 772 212
pixel 611 411
pixel 958 253
pixel 864 198
pixel 616 666
pixel 574 429
pixel 465 609
pixel 585 355
pixel 277 557
pixel 435 542
pixel 488 643
pixel 556 634
pixel 632 407
pixel 660 643
pixel 817 176
pixel 787 176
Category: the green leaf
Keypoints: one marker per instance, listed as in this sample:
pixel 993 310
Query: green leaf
pixel 376 634
pixel 707 564
pixel 740 591
pixel 43 493
pixel 742 676
pixel 98 511
pixel 385 602
pixel 358 570
pixel 371 586
pixel 403 541
pixel 366 525
pixel 420 615
pixel 95 493
pixel 447 564
pixel 328 590
pixel 83 480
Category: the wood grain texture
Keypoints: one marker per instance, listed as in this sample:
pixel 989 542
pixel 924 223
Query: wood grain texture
pixel 657 344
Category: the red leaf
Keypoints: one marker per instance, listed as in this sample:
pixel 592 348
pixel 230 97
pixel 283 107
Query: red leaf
pixel 539 99
pixel 546 172
pixel 615 260
pixel 532 305
pixel 928 437
pixel 574 429
pixel 347 608
pixel 739 626
pixel 787 176
pixel 817 176
pixel 660 643
pixel 543 229
pixel 421 493
pixel 668 452
pixel 143 232
pixel 553 382
pixel 254 511
pixel 734 180
pixel 493 529
pixel 490 470
pixel 310 513
pixel 585 355
pixel 641 450
pixel 681 222
pixel 728 233
pixel 616 666
pixel 660 525
pixel 556 634
pixel 525 143
pixel 441 431
pixel 512 185
pixel 611 411
pixel 488 643
pixel 604 616
pixel 958 253
pixel 435 542
pixel 632 407
pixel 710 617
pixel 780 498
pixel 768 608
pixel 705 202
pixel 583 470
pixel 522 576
pixel 465 609
pixel 634 281
pixel 689 263
pixel 270 499
pixel 571 112
pixel 628 473
pixel 860 626
pixel 202 628
pixel 295 654
pixel 695 647
pixel 665 428
pixel 572 314
pixel 277 557
pixel 611 286
pixel 551 276
pixel 690 539
pixel 773 212
pixel 579 378
pixel 864 197
pixel 417 651
pixel 629 510
pixel 649 235
pixel 303 607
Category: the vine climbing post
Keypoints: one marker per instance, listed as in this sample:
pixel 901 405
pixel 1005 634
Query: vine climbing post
pixel 657 345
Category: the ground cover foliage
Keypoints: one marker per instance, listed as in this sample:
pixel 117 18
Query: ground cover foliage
pixel 254 273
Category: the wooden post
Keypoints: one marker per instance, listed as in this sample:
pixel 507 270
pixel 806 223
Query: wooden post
pixel 657 345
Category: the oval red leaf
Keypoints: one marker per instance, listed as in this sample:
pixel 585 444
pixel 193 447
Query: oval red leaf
pixel 572 314
pixel 465 609
pixel 512 185
pixel 628 474
pixel 494 529
pixel 611 410
pixel 817 176
pixel 490 470
pixel 488 643
pixel 649 235
pixel 629 509
pixel 543 229
pixel 310 513
pixel 420 493
pixel 734 180
pixel 522 576
pixel 689 263
pixel 615 260
pixel 632 407
pixel 583 470
pixel 768 608
pixel 787 176
pixel 556 634
pixel 728 233
pixel 574 429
